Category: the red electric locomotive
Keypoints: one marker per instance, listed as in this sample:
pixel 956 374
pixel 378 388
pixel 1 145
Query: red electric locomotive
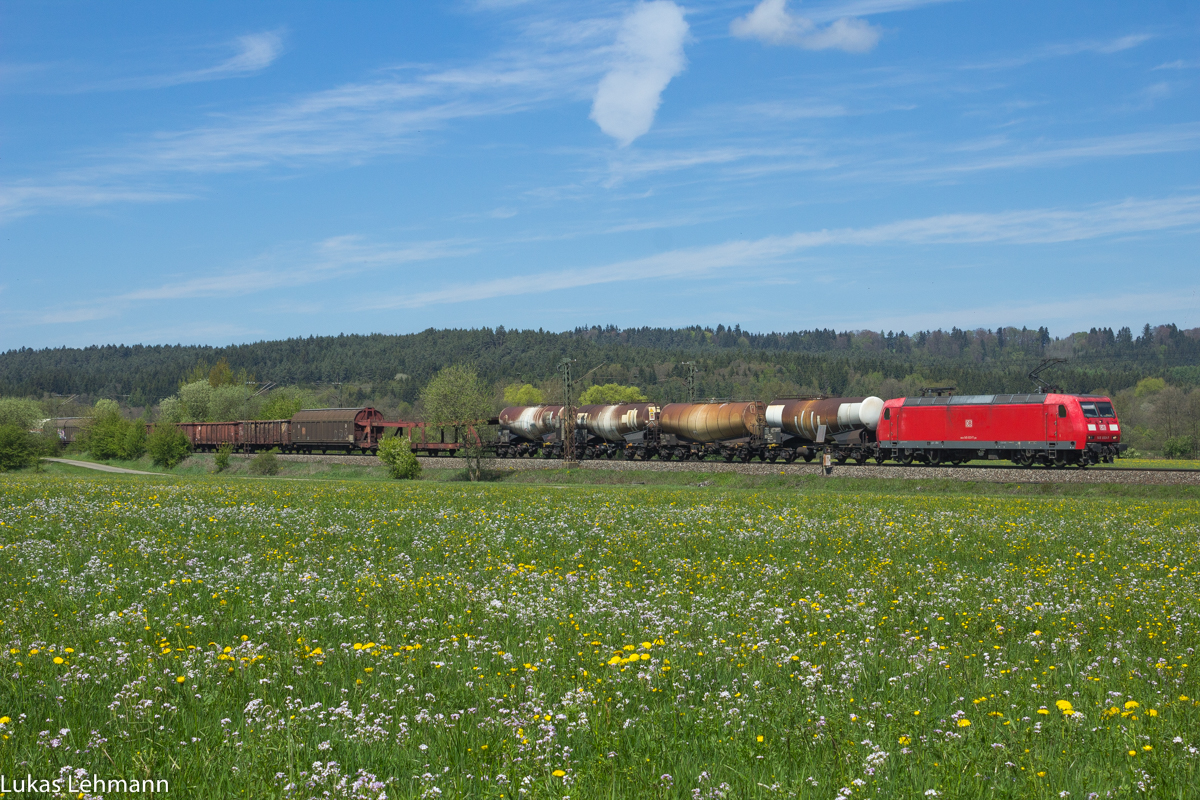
pixel 1028 429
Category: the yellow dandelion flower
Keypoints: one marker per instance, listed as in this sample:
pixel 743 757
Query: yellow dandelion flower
pixel 964 723
pixel 1148 747
pixel 760 738
pixel 1132 704
pixel 1133 752
pixel 1043 711
pixel 905 740
pixel 1065 707
pixel 558 773
pixel 5 720
pixel 181 679
pixel 58 660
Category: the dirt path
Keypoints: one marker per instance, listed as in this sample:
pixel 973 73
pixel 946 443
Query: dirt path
pixel 101 467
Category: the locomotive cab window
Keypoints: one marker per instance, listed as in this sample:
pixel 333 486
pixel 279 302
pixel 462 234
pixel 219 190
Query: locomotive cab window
pixel 1105 409
pixel 1062 411
pixel 887 413
pixel 1089 410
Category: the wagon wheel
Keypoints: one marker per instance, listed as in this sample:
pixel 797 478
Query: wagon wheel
pixel 773 457
pixel 879 459
pixel 808 458
pixel 861 460
pixel 745 457
pixel 665 455
pixel 906 459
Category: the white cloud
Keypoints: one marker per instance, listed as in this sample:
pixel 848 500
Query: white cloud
pixel 771 23
pixel 647 55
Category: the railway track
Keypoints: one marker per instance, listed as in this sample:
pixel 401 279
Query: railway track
pixel 966 472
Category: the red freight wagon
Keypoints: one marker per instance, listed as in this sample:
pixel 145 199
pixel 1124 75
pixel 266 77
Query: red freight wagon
pixel 344 429
pixel 208 436
pixel 1049 429
pixel 265 434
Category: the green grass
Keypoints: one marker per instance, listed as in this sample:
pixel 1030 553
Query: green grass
pixel 200 468
pixel 477 639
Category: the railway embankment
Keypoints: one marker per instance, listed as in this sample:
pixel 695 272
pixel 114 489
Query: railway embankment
pixel 981 472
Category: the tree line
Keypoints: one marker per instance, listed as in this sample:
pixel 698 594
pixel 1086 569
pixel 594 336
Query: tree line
pixel 272 380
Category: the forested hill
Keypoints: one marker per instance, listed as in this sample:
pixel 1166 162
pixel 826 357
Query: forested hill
pixel 730 362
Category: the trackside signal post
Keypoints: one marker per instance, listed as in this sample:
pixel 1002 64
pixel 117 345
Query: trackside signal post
pixel 568 413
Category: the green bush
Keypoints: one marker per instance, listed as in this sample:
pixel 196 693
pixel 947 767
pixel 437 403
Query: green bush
pixel 1179 447
pixel 134 445
pixel 195 398
pixel 222 458
pixel 523 395
pixel 402 464
pixel 168 446
pixel 281 404
pixel 18 449
pixel 265 463
pixel 611 393
pixel 103 435
pixel 20 412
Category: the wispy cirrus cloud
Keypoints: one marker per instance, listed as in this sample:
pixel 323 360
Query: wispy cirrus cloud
pixel 250 54
pixel 333 258
pixel 1167 139
pixel 1063 49
pixel 346 124
pixel 824 12
pixel 253 53
pixel 1025 227
pixel 898 161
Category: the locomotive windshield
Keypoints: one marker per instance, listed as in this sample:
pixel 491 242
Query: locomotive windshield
pixel 1091 410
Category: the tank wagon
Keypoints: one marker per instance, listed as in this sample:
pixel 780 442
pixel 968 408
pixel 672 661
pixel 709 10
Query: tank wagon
pixel 526 430
pixel 787 429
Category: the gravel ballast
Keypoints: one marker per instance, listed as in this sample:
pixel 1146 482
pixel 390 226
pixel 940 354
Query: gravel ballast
pixel 1157 477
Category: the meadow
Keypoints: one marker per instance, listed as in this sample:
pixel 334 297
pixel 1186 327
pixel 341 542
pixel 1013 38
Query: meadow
pixel 271 638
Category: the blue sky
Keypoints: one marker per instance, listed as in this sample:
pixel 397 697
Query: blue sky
pixel 225 172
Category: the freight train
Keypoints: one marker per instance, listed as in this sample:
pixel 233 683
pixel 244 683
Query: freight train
pixel 1042 429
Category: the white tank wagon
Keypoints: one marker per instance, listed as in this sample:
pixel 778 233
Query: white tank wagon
pixel 524 430
pixel 804 418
